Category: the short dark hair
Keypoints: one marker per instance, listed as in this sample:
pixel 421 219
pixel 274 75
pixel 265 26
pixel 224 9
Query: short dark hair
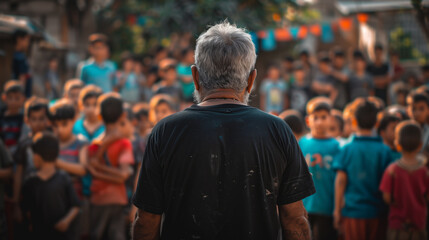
pixel 409 135
pixel 35 104
pixel 63 109
pixel 141 110
pixel 73 84
pixel 319 104
pixel 324 57
pixel 366 114
pixel 97 37
pixel 13 86
pixel 89 91
pixel 378 46
pixel 417 96
pixel 288 59
pixel 304 53
pixel 385 120
pixel 425 68
pixel 357 54
pixel 19 33
pixel 111 107
pixel 46 145
pixel 339 53
pixel 295 121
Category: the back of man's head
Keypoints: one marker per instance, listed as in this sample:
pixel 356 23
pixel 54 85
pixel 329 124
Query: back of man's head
pixel 224 57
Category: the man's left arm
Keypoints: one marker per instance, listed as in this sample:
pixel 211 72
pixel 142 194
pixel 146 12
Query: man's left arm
pixel 146 226
pixel 294 221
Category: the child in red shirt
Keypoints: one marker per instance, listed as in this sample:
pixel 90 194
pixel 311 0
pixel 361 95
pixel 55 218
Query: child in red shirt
pixel 109 197
pixel 405 185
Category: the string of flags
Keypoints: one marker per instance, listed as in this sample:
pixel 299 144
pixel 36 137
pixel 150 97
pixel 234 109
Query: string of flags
pixel 324 30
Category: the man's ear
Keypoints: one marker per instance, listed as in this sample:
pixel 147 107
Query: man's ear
pixel 251 80
pixel 195 77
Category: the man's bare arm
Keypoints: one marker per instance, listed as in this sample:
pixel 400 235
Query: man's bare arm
pixel 294 221
pixel 146 226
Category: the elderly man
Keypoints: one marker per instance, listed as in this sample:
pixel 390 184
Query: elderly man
pixel 221 169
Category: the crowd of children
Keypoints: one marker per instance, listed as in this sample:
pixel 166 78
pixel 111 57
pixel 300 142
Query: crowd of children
pixel 68 166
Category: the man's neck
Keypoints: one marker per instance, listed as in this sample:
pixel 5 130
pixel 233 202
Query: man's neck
pixel 99 62
pixel 222 96
pixel 317 135
pixel 92 121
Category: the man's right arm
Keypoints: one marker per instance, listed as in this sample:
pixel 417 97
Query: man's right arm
pixel 294 221
pixel 146 226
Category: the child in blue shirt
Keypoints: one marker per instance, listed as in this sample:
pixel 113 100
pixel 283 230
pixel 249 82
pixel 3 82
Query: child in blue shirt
pixel 274 92
pixel 360 212
pixel 319 150
pixel 386 130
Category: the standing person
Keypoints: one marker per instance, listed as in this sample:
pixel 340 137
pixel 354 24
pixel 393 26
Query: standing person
pixel 309 68
pixel 324 82
pixel 169 84
pixel 299 91
pixel 52 80
pixel 360 83
pixel 360 212
pixel 100 72
pixel 20 66
pixel 320 150
pixel 288 69
pixel 405 186
pixel 72 90
pixel 418 110
pixel 380 73
pixel 204 181
pixel 274 92
pixel 49 199
pixel 11 117
pixel 386 130
pixel 185 74
pixel 127 82
pixel 5 175
pixel 108 192
pixel 340 73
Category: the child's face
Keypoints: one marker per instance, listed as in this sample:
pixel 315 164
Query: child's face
pixel 170 75
pixel 143 123
pixel 334 128
pixel 319 123
pixel 339 62
pixel 128 65
pixel 124 126
pixel 273 73
pixel 419 111
pixel 73 95
pixel 90 107
pixel 162 111
pixel 360 65
pixel 299 75
pixel 100 51
pixel 348 127
pixel 37 121
pixel 14 101
pixel 388 134
pixel 63 129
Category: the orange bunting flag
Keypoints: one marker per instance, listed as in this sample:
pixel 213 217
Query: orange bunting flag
pixel 277 17
pixel 303 31
pixel 316 30
pixel 282 34
pixel 262 34
pixel 362 17
pixel 346 24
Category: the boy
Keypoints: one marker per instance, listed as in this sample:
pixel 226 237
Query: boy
pixel 418 110
pixel 386 130
pixel 340 73
pixel 360 83
pixel 109 196
pixel 20 67
pixel 319 150
pixel 5 175
pixel 36 117
pixel 161 106
pixel 89 125
pixel 169 84
pixel 295 121
pixel 405 186
pixel 359 206
pixel 49 200
pixel 323 84
pixel 336 127
pixel 380 72
pixel 11 118
pixel 127 83
pixel 273 92
pixel 100 72
pixel 299 92
pixel 73 154
pixel 72 89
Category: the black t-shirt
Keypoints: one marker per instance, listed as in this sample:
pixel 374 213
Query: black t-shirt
pixel 10 129
pixel 218 172
pixel 48 201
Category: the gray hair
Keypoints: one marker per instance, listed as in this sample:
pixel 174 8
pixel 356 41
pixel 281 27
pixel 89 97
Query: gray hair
pixel 224 56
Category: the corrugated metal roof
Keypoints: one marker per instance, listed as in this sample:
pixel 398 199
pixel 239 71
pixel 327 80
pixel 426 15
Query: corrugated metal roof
pixel 350 7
